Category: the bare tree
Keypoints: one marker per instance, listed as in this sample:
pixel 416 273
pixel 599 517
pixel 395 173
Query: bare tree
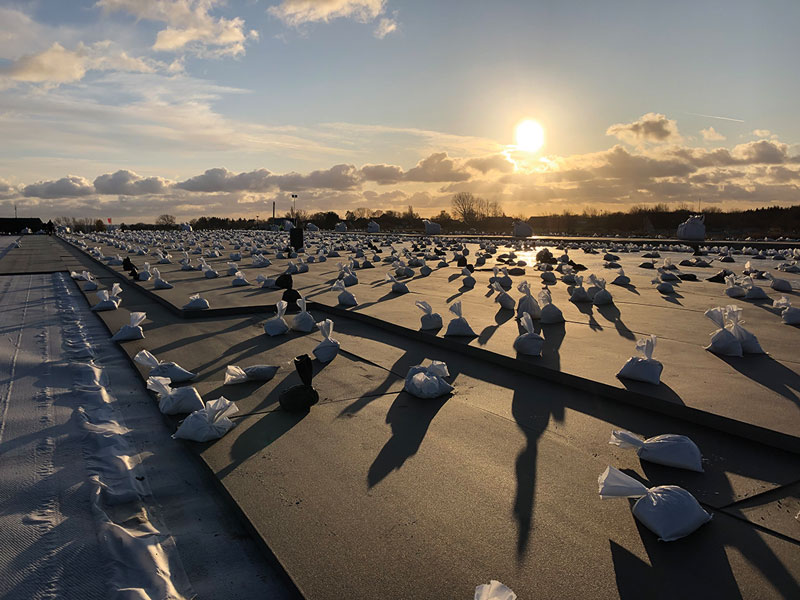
pixel 165 221
pixel 297 213
pixel 465 206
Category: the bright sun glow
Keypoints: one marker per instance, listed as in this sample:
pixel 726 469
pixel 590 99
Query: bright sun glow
pixel 529 135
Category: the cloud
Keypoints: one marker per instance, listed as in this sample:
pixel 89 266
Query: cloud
pixel 494 162
pixel 338 177
pixel 128 183
pixel 711 135
pixel 384 27
pixel 299 12
pixel 382 174
pixel 70 186
pixel 189 25
pixel 652 127
pixel 762 133
pixel 436 167
pixel 618 163
pixel 222 180
pixel 60 65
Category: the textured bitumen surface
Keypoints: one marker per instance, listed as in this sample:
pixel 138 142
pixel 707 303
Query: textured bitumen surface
pixel 375 494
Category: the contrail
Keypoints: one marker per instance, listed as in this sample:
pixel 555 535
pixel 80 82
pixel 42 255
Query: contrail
pixel 716 117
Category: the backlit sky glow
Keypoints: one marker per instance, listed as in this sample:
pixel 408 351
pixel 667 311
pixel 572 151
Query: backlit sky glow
pixel 133 108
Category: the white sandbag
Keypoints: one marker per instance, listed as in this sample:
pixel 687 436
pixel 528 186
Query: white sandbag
pixel 267 282
pixel 779 285
pixel 732 290
pixel 209 423
pixel 693 228
pixel 601 295
pixel 158 282
pixel 668 449
pixel 529 343
pixel 175 401
pixel 429 319
pixel 174 372
pixel 133 331
pixel 579 293
pixel 789 314
pixel 668 511
pixel 469 280
pixel 428 382
pixel 345 298
pixel 196 303
pixel 505 301
pixel 303 321
pixel 234 374
pixel 108 299
pixel 144 274
pixel 527 304
pixel 459 325
pixel 663 287
pixel 645 369
pixel 398 287
pixel 328 348
pixel 277 325
pixel 239 279
pixel 233 268
pixel 210 273
pixel 90 286
pixel 494 590
pixel 621 278
pixel 550 313
pixel 502 277
pixel 748 341
pixel 723 342
pixel 754 292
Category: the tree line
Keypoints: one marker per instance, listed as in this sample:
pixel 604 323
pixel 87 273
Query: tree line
pixel 473 214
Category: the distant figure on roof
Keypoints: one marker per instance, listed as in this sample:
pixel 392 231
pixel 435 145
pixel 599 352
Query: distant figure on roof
pixel 340 227
pixel 311 227
pixel 694 228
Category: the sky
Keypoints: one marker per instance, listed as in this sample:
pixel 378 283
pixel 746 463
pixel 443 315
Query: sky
pixel 128 109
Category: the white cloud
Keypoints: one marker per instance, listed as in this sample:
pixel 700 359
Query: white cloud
pixel 189 25
pixel 762 133
pixel 338 177
pixel 711 135
pixel 382 174
pixel 299 12
pixel 384 27
pixel 66 187
pixel 436 167
pixel 651 127
pixel 128 183
pixel 60 65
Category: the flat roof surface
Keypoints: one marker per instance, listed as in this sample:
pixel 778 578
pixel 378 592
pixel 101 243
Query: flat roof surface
pixel 376 494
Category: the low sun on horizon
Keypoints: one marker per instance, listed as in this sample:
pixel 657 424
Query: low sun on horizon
pixel 529 135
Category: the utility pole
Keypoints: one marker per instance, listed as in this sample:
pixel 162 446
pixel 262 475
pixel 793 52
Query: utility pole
pixel 15 210
pixel 294 208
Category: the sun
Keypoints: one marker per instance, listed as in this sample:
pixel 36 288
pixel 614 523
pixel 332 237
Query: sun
pixel 529 135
